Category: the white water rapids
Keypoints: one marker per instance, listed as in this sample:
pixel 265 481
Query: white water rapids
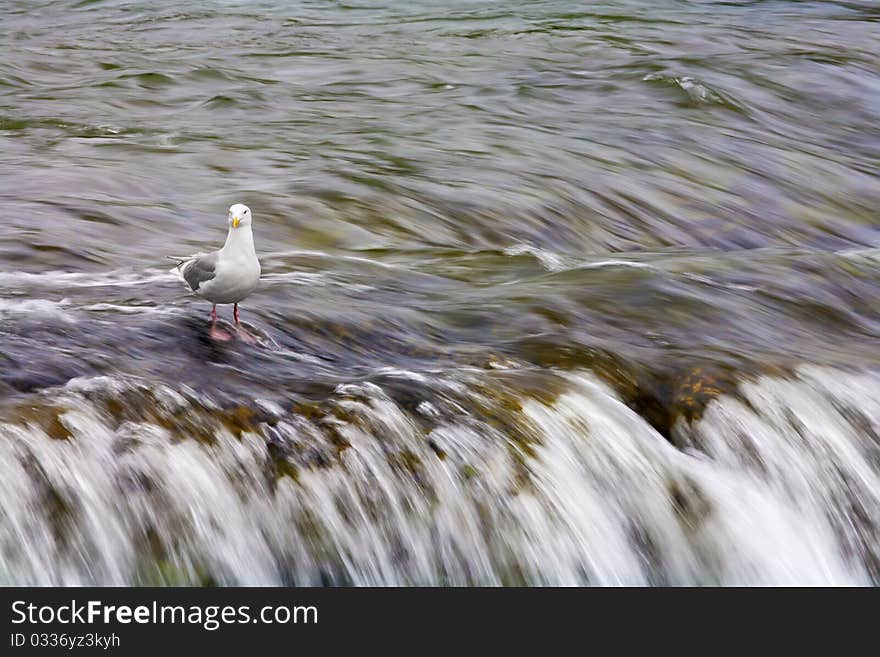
pixel 779 485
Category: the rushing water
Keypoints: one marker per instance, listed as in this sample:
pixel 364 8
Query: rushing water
pixel 553 293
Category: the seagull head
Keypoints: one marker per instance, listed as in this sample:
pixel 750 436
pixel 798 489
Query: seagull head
pixel 239 215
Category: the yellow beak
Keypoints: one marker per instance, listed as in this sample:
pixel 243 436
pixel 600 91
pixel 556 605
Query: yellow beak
pixel 235 222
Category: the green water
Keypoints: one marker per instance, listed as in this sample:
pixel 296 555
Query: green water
pixel 667 194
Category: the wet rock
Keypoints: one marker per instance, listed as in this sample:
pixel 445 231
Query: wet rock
pixel 696 388
pixel 49 418
pixel 690 503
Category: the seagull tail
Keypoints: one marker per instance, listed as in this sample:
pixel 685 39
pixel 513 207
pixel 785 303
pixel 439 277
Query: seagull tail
pixel 178 268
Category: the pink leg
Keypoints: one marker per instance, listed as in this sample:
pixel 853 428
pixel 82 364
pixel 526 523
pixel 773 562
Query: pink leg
pixel 241 331
pixel 216 332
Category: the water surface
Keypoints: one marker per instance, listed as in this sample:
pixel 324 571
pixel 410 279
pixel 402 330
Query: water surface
pixel 552 293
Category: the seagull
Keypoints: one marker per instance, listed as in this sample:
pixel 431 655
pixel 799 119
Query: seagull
pixel 228 275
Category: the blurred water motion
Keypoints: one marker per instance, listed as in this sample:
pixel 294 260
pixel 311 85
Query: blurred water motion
pixel 552 293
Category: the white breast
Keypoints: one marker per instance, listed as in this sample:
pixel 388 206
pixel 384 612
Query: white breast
pixel 235 280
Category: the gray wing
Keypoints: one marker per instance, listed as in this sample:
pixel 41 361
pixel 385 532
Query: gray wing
pixel 199 270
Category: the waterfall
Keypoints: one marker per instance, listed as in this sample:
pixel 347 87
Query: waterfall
pixel 470 479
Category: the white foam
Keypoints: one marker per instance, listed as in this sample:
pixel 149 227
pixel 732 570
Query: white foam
pixel 549 260
pixel 62 279
pixel 781 488
pixel 39 308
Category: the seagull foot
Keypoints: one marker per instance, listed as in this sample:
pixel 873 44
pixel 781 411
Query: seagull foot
pixel 245 336
pixel 217 333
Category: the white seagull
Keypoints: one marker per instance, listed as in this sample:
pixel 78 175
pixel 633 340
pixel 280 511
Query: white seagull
pixel 228 275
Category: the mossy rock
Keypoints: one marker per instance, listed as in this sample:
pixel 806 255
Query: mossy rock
pixel 48 418
pixel 695 389
pixel 165 572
